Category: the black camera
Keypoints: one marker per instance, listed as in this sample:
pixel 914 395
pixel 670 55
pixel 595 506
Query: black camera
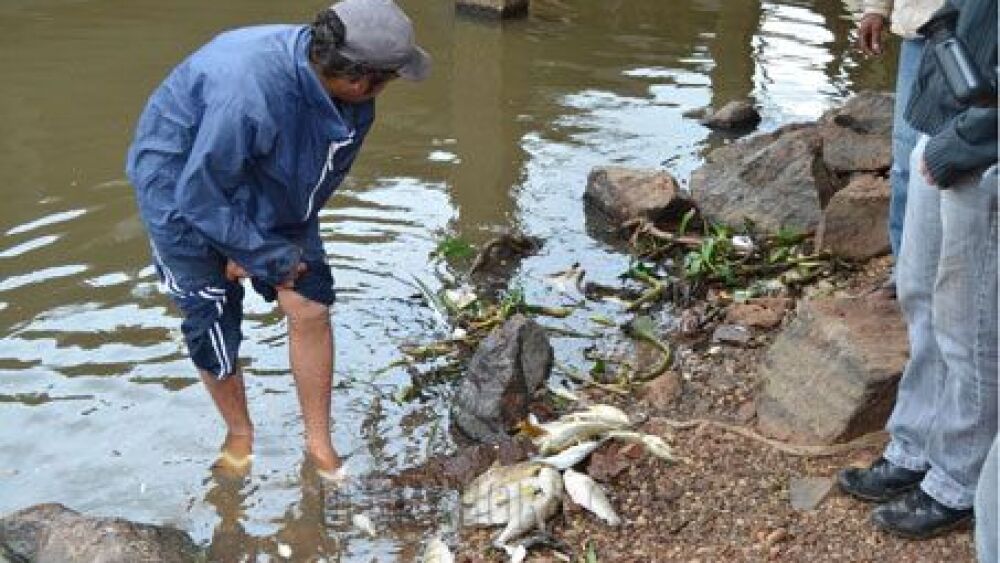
pixel 960 72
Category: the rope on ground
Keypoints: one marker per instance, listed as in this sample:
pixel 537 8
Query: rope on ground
pixel 871 439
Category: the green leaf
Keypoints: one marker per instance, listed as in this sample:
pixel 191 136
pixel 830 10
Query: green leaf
pixel 454 247
pixel 591 552
pixel 685 220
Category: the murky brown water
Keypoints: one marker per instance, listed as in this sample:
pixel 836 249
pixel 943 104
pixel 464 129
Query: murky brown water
pixel 99 408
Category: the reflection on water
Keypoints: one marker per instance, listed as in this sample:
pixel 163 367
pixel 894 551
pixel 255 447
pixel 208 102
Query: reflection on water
pixel 99 407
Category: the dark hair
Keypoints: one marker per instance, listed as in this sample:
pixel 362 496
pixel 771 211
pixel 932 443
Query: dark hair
pixel 324 49
pixel 328 36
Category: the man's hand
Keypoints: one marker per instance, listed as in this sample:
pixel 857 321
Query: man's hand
pixel 927 174
pixel 235 272
pixel 870 30
pixel 289 282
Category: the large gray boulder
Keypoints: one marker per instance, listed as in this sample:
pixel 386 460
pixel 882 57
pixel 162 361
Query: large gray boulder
pixel 623 194
pixel 509 366
pixel 857 137
pixel 831 374
pixel 856 222
pixel 52 533
pixel 786 178
pixel 775 180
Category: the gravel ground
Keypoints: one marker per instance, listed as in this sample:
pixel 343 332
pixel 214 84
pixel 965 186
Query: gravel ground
pixel 729 500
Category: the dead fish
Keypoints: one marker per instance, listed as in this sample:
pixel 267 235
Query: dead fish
pixel 533 514
pixel 461 297
pixel 560 434
pixel 493 497
pixel 364 524
pixel 605 413
pixel 588 494
pixel 571 455
pixel 570 278
pixel 437 552
pixel 655 445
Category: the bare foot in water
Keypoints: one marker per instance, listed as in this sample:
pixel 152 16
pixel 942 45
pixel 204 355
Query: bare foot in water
pixel 328 464
pixel 236 453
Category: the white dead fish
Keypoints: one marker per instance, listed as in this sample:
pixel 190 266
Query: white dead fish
pixel 560 435
pixel 543 504
pixel 588 494
pixel 655 445
pixel 364 524
pixel 606 413
pixel 571 455
pixel 567 280
pixel 437 552
pixel 284 550
pixel 461 297
pixel 493 497
pixel 517 554
pixel 563 392
pixel 742 243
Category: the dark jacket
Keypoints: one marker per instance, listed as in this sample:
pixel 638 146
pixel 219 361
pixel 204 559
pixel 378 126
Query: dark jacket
pixel 238 150
pixel 962 138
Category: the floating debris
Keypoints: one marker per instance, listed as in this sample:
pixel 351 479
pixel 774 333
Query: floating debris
pixel 364 523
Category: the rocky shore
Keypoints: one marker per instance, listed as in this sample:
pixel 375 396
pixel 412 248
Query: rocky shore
pixel 777 368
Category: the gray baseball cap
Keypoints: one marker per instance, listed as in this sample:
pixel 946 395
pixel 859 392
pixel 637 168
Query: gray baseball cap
pixel 380 35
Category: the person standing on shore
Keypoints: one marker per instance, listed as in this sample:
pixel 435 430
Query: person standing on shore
pixel 233 157
pixel 945 418
pixel 906 16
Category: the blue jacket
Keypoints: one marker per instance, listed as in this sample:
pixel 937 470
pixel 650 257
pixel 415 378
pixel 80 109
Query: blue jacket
pixel 238 150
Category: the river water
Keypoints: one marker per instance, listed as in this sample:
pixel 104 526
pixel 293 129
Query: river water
pixel 99 407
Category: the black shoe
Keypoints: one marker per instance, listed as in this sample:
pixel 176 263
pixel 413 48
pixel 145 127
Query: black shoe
pixel 880 482
pixel 916 515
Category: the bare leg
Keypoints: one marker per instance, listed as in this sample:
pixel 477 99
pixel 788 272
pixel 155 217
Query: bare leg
pixel 310 352
pixel 231 400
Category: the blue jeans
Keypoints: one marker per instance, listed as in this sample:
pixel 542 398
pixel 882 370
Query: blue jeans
pixel 986 510
pixel 945 416
pixel 904 138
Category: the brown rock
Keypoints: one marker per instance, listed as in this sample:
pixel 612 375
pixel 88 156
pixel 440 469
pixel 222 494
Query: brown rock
pixel 736 115
pixel 754 315
pixel 493 8
pixel 608 462
pixel 662 392
pixel 775 180
pixel 624 194
pixel 855 223
pixel 831 374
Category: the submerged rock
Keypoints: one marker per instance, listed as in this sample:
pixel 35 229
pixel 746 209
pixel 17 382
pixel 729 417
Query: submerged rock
pixel 736 115
pixel 52 532
pixel 856 222
pixel 511 364
pixel 623 194
pixel 831 374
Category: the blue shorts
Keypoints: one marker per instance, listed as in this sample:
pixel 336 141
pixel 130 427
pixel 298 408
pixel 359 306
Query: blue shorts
pixel 213 305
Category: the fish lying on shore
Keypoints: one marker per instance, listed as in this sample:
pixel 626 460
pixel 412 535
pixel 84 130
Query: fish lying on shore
pixel 437 552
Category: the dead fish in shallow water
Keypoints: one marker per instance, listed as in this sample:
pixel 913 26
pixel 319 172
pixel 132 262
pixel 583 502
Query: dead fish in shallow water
pixel 437 552
pixel 571 277
pixel 364 524
pixel 588 494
